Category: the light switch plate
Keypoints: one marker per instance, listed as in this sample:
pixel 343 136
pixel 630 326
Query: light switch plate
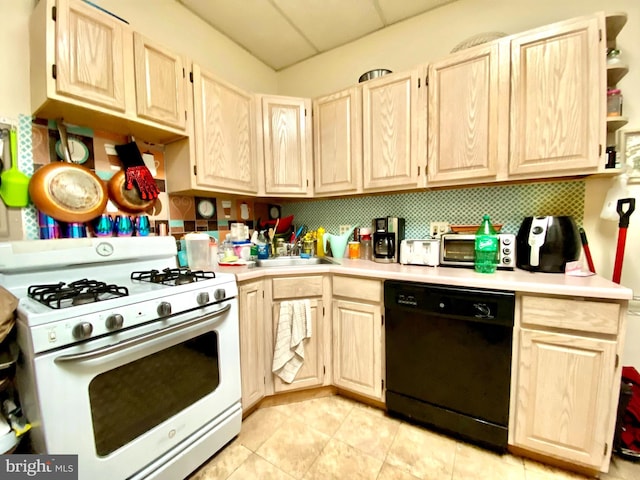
pixel 438 228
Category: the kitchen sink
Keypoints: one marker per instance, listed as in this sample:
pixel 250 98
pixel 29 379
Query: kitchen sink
pixel 294 261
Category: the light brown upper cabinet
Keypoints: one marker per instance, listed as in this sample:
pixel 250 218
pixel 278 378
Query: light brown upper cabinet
pixel 160 81
pixel 90 55
pixel 337 142
pixel 392 124
pixel 558 90
pixel 468 116
pixel 82 68
pixel 286 146
pixel 224 135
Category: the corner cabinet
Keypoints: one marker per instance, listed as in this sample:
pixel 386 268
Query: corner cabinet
pixel 252 342
pixel 84 68
pixel 558 87
pixel 394 124
pixel 357 335
pixel 286 146
pixel 224 136
pixel 337 147
pixel 469 116
pixel 567 378
pixel 312 372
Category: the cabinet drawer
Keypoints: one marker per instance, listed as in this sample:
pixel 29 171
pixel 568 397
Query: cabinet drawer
pixel 292 287
pixel 361 288
pixel 571 314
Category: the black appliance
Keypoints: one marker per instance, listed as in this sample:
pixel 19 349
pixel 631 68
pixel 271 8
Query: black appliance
pixel 388 233
pixel 546 244
pixel 448 358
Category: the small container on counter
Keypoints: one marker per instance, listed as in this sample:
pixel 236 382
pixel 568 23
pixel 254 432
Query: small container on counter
pixel 365 244
pixel 75 230
pixel 49 227
pixel 354 250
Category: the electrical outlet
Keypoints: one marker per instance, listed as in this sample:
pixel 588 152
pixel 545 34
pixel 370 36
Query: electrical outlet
pixel 344 228
pixel 438 228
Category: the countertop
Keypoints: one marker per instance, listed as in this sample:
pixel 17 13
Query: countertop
pixel 516 280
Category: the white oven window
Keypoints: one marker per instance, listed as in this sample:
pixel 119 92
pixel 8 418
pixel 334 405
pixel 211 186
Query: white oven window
pixel 130 400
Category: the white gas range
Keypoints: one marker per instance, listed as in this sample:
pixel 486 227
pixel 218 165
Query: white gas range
pixel 126 360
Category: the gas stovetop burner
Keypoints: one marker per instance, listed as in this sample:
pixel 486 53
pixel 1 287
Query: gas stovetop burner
pixel 80 292
pixel 172 276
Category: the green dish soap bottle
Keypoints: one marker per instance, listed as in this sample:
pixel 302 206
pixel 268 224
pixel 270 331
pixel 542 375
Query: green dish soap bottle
pixel 486 248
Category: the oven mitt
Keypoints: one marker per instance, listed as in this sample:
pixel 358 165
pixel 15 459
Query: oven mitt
pixel 136 171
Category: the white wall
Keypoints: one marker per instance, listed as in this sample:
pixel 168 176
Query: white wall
pixel 432 36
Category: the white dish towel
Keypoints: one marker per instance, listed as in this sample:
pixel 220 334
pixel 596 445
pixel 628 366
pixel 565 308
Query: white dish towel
pixel 294 326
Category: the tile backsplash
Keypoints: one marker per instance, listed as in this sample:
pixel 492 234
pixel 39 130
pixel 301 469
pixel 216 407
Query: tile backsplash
pixel 506 204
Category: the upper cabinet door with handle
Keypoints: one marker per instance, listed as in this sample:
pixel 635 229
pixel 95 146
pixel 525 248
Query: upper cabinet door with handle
pixel 160 83
pixel 287 145
pixel 469 116
pixel 90 55
pixel 557 99
pixel 337 142
pixel 391 122
pixel 224 132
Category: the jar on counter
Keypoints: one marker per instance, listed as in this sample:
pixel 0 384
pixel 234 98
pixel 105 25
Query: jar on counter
pixel 614 102
pixel 365 244
pixel 354 250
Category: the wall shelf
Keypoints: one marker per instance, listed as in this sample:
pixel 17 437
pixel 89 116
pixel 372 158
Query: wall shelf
pixel 614 123
pixel 615 73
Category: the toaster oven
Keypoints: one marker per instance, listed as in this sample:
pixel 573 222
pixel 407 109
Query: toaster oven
pixel 458 250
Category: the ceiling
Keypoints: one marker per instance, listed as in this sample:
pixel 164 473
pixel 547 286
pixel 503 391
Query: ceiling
pixel 283 32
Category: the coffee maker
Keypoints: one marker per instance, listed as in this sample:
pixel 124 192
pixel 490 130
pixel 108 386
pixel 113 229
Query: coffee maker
pixel 388 232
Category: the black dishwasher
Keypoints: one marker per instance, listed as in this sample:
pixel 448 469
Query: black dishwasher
pixel 448 358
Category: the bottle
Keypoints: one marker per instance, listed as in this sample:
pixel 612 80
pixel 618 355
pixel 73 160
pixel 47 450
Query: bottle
pixel 263 248
pixel 486 247
pixel 320 242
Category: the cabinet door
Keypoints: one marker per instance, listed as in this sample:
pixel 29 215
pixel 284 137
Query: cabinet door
pixel 224 135
pixel 563 395
pixel 357 348
pixel 287 146
pixel 90 55
pixel 160 83
pixel 337 135
pixel 390 133
pixel 311 374
pixel 468 116
pixel 557 119
pixel 252 343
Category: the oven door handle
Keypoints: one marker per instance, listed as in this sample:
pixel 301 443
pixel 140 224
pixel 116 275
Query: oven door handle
pixel 100 352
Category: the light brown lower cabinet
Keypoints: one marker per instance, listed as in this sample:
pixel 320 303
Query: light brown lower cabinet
pixel 252 342
pixel 567 376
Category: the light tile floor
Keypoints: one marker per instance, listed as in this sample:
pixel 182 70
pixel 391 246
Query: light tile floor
pixel 337 438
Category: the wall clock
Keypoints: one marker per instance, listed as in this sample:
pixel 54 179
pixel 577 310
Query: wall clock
pixel 206 208
pixel 274 212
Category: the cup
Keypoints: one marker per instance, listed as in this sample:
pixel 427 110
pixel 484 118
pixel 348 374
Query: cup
pixel 49 227
pixel 123 226
pixel 75 230
pixel 198 251
pixel 142 226
pixel 103 226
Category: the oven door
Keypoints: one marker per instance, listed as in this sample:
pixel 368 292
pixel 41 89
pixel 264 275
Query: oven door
pixel 119 405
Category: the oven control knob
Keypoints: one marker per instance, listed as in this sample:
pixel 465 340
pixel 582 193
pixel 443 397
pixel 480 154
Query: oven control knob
pixel 219 294
pixel 82 330
pixel 164 309
pixel 114 321
pixel 203 298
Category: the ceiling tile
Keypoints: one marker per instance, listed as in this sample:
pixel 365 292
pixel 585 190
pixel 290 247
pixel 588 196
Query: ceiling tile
pixel 257 26
pixel 331 23
pixel 396 10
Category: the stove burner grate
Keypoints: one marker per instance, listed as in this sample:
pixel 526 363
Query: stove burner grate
pixel 172 276
pixel 61 295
